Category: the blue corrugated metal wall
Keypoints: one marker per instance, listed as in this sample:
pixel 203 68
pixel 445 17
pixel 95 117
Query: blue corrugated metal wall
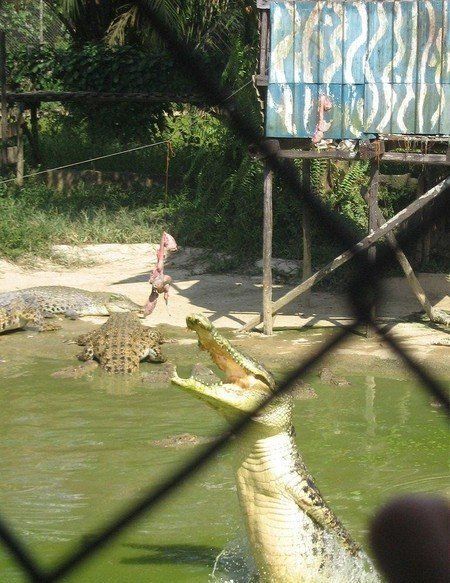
pixel 384 64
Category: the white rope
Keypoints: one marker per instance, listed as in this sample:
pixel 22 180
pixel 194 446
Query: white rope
pixel 240 89
pixel 86 161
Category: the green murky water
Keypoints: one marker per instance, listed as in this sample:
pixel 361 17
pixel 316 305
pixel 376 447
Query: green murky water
pixel 73 452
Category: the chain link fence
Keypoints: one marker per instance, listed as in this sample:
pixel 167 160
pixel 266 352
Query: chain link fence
pixel 365 289
pixel 30 24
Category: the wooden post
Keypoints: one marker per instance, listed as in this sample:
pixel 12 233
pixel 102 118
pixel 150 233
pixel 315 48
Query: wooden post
pixel 35 134
pixel 267 250
pixel 372 199
pixel 306 227
pixel 435 315
pixel 4 104
pixel 426 236
pixel 360 247
pixel 20 156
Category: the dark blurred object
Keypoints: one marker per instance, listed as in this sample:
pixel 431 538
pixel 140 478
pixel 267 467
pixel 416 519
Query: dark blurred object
pixel 410 537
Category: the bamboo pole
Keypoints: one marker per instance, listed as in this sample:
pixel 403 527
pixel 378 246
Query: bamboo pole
pixel 360 247
pixel 267 249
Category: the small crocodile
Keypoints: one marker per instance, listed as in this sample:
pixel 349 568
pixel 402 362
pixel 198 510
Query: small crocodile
pixel 294 535
pixel 121 343
pixel 18 314
pixel 27 308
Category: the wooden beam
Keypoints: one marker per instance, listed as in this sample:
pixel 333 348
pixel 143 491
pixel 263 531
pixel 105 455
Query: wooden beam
pixel 29 97
pixel 4 103
pixel 263 38
pixel 400 157
pixel 360 247
pixel 415 158
pixel 267 249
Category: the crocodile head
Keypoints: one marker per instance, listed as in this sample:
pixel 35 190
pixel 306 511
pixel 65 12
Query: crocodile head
pixel 247 383
pixel 119 303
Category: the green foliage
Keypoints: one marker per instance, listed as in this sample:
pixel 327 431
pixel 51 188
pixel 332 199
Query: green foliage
pixel 95 67
pixel 21 22
pixel 345 197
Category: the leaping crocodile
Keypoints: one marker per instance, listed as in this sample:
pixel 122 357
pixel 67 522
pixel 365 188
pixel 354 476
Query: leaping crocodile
pixel 121 343
pixel 27 308
pixel 294 535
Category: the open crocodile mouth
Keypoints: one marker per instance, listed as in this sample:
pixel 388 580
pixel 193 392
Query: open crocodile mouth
pixel 239 369
pixel 246 386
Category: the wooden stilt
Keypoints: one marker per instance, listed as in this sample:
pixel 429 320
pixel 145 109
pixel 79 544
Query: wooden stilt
pixel 435 315
pixel 360 247
pixel 426 237
pixel 4 103
pixel 306 224
pixel 267 250
pixel 20 154
pixel 35 135
pixel 372 200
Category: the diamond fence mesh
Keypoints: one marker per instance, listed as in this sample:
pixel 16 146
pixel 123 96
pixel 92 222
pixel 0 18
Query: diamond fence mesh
pixel 30 24
pixel 363 294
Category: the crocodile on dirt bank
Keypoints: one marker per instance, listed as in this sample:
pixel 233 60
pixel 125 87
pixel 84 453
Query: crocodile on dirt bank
pixel 121 343
pixel 294 535
pixel 27 308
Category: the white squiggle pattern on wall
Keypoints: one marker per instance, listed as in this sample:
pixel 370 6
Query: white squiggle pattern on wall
pixel 390 99
pixel 413 54
pixel 438 56
pixel 435 117
pixel 283 48
pixel 403 107
pixel 335 45
pixel 401 48
pixel 307 110
pixel 288 118
pixel 381 30
pixel 356 44
pixel 423 64
pixel 310 27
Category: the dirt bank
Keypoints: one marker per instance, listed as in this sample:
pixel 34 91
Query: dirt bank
pixel 231 299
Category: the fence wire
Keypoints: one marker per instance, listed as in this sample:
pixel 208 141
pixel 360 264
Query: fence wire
pixel 366 281
pixel 39 27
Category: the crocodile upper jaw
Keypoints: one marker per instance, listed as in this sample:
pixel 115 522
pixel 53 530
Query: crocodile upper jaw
pixel 247 384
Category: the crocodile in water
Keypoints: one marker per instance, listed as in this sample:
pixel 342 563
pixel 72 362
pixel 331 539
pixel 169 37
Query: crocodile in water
pixel 121 343
pixel 294 535
pixel 27 308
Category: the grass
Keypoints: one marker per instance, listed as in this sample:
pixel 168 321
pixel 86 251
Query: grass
pixel 35 218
